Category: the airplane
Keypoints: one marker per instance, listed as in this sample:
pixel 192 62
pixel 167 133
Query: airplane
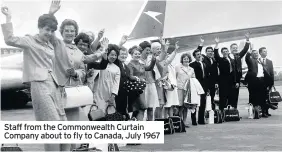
pixel 150 23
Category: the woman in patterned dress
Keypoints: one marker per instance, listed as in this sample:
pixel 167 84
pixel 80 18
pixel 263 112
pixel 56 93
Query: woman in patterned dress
pixel 137 68
pixel 38 70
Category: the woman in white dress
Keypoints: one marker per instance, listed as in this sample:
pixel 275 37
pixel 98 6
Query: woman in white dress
pixel 171 94
pixel 109 80
pixel 183 74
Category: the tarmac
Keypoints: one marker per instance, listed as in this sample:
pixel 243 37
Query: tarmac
pixel 263 134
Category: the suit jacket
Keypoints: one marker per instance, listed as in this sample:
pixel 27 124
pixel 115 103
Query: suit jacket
pixel 124 74
pixel 269 68
pixel 224 67
pixel 238 61
pixel 199 73
pixel 38 57
pixel 211 67
pixel 253 70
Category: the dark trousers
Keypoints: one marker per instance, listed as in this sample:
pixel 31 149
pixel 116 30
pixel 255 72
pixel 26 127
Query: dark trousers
pixel 235 96
pixel 212 94
pixel 257 92
pixel 226 84
pixel 121 102
pixel 202 108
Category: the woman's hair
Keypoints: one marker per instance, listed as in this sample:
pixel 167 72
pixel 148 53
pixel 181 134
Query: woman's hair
pixel 144 45
pixel 135 47
pixel 84 37
pixel 69 22
pixel 47 20
pixel 113 47
pixel 185 55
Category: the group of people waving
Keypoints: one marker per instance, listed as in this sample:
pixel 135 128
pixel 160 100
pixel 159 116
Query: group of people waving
pixel 50 64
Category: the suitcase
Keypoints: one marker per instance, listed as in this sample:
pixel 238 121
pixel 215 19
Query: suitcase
pixel 10 148
pixel 218 116
pixel 258 112
pixel 231 114
pixel 178 124
pixel 168 125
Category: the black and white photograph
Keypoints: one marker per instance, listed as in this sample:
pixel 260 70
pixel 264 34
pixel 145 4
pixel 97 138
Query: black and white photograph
pixel 210 70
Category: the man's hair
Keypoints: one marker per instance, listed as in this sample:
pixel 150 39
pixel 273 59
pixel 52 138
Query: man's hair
pixel 185 55
pixel 209 48
pixel 84 37
pixel 232 44
pixel 224 48
pixel 196 51
pixel 261 49
pixel 253 51
pixel 47 20
pixel 122 48
pixel 69 22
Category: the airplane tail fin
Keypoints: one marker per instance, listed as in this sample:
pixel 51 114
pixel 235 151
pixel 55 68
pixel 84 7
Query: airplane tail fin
pixel 150 20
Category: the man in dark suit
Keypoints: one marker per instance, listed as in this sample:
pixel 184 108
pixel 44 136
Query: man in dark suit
pixel 201 73
pixel 257 78
pixel 269 67
pixel 227 77
pixel 212 70
pixel 238 68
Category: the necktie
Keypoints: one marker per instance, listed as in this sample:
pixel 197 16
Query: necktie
pixel 263 62
pixel 211 61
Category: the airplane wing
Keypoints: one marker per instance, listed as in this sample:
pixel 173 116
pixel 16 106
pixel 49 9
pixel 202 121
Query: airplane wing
pixel 192 41
pixel 151 19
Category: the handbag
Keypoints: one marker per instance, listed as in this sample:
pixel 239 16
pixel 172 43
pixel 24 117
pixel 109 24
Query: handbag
pixel 113 147
pixel 274 96
pixel 178 124
pixel 114 116
pixel 96 115
pixel 168 125
pixel 134 86
pixel 231 114
pixel 11 148
pixel 78 96
pixel 251 111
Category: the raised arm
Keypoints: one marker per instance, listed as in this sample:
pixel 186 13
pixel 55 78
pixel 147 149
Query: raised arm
pixel 8 33
pixel 150 67
pixel 173 54
pixel 97 55
pixel 165 45
pixel 200 46
pixel 246 47
pixel 248 57
pixel 98 66
pixel 95 43
pixel 216 54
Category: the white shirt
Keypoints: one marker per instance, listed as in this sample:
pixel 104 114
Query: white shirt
pixel 260 70
pixel 202 68
pixel 263 60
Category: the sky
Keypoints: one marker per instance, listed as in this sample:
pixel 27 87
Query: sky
pixel 182 18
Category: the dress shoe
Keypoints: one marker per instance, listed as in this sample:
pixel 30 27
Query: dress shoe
pixel 194 123
pixel 268 114
pixel 264 115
